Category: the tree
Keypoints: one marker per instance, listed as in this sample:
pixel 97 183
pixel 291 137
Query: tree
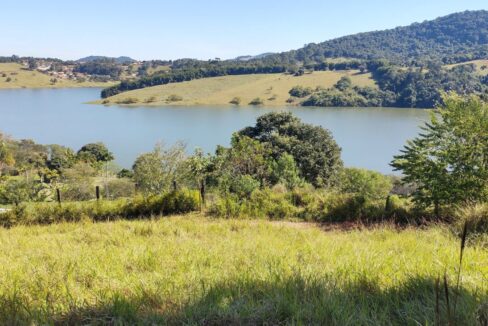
pixel 317 155
pixel 95 152
pixel 60 157
pixel 32 63
pixel 448 161
pixel 6 157
pixel 343 83
pixel 154 172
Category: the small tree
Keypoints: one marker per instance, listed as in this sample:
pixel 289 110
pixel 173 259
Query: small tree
pixel 154 172
pixel 343 83
pixel 95 152
pixel 448 161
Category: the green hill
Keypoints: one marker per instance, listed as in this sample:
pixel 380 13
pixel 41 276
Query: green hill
pixel 454 38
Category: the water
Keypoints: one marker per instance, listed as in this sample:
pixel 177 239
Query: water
pixel 369 137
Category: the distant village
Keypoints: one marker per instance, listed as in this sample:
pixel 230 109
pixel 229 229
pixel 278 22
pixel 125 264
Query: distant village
pixel 103 69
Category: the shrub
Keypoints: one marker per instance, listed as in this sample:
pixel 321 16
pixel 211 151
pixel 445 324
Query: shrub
pixel 174 98
pixel 475 215
pixel 261 204
pixel 15 191
pixel 300 91
pixel 150 99
pixel 235 101
pixel 118 188
pixel 176 202
pixel 129 100
pixel 370 184
pixel 256 101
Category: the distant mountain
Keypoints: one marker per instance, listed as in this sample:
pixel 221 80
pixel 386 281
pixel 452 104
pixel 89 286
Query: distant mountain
pixel 454 38
pixel 252 57
pixel 119 60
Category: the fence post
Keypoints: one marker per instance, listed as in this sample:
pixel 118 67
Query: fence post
pixel 97 191
pixel 202 191
pixel 175 186
pixel 58 195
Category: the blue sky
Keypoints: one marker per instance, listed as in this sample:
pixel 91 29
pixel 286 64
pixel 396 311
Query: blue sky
pixel 146 29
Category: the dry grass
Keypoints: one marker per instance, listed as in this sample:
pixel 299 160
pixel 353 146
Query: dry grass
pixel 478 63
pixel 198 271
pixel 272 88
pixel 23 78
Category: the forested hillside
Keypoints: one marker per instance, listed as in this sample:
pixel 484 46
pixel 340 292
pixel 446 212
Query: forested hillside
pixel 454 38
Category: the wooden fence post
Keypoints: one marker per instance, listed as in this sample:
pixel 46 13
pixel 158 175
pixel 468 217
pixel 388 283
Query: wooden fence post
pixel 58 195
pixel 97 191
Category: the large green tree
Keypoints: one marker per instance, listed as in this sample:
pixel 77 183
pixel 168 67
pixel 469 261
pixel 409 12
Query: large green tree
pixel 317 155
pixel 448 161
pixel 95 152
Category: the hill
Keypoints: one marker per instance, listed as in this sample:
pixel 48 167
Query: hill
pixel 14 75
pixel 118 60
pixel 450 39
pixel 271 88
pixel 412 65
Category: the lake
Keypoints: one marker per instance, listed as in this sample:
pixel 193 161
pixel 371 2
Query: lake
pixel 369 137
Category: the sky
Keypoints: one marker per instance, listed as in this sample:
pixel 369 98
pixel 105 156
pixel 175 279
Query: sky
pixel 146 29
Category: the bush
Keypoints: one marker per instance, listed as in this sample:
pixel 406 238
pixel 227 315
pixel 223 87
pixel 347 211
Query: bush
pixel 15 191
pixel 176 202
pixel 256 101
pixel 235 101
pixel 300 91
pixel 370 184
pixel 174 98
pixel 475 215
pixel 261 204
pixel 150 99
pixel 129 100
pixel 118 188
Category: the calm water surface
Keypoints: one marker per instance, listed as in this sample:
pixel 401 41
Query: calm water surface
pixel 369 137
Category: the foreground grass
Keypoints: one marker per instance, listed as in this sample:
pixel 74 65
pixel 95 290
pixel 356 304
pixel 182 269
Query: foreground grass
pixel 21 78
pixel 271 88
pixel 193 270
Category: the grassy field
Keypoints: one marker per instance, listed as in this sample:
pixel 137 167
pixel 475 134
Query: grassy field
pixel 193 270
pixel 22 78
pixel 479 66
pixel 271 88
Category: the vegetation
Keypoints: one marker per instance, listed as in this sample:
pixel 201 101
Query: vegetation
pixel 14 75
pixel 272 88
pixel 447 161
pixel 450 39
pixel 155 272
pixel 100 67
pixel 315 152
pixel 250 272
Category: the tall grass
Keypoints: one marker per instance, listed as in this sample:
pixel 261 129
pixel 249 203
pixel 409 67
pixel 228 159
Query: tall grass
pixel 193 270
pixel 175 202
